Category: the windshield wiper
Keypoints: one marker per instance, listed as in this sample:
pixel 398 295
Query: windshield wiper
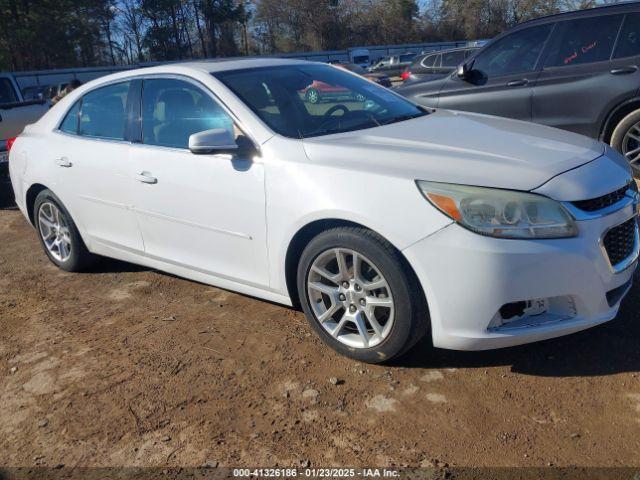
pixel 402 118
pixel 329 131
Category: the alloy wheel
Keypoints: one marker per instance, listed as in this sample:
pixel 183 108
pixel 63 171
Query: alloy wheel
pixel 54 231
pixel 313 96
pixel 350 298
pixel 631 145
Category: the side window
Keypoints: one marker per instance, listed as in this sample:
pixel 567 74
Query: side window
pixel 629 40
pixel 103 112
pixel 7 93
pixel 70 122
pixel 452 59
pixel 585 40
pixel 515 53
pixel 428 61
pixel 173 110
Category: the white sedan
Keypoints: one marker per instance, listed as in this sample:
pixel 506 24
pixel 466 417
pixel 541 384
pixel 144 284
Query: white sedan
pixel 383 220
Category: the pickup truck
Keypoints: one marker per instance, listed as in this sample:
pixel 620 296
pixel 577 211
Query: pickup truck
pixel 15 114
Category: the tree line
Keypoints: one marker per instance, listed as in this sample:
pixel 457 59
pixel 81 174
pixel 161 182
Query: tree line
pixel 42 34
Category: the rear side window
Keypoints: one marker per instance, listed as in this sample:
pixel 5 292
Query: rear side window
pixel 173 110
pixel 515 53
pixel 586 40
pixel 7 93
pixel 70 122
pixel 428 61
pixel 629 40
pixel 452 59
pixel 103 112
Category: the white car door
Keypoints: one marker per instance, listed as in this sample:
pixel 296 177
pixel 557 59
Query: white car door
pixel 91 155
pixel 204 212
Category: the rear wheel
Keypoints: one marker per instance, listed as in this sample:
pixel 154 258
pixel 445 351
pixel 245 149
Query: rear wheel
pixel 626 140
pixel 359 296
pixel 59 235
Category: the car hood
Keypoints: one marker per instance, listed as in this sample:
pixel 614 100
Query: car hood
pixel 457 147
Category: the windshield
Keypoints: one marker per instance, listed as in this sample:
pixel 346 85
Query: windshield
pixel 300 101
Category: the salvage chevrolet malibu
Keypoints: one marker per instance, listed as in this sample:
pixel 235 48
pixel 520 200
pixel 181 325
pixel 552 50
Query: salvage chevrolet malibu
pixel 383 220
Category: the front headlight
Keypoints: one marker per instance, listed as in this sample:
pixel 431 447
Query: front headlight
pixel 500 213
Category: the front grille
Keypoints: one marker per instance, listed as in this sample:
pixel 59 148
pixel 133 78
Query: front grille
pixel 604 201
pixel 619 242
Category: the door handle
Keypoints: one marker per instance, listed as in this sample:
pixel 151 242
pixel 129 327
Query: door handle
pixel 63 162
pixel 624 70
pixel 145 177
pixel 518 83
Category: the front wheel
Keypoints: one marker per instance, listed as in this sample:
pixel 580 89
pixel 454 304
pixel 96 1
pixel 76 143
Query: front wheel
pixel 626 140
pixel 359 295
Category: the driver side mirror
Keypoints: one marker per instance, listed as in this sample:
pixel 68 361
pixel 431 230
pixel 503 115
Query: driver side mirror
pixel 217 140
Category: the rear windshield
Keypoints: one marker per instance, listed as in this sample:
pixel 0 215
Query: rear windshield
pixel 7 92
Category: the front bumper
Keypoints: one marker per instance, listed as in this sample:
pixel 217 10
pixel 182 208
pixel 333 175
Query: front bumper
pixel 467 278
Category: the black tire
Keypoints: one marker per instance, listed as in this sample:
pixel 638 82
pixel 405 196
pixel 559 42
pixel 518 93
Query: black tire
pixel 79 258
pixel 617 137
pixel 313 96
pixel 411 321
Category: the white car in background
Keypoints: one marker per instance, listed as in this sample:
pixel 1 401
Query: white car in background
pixel 382 219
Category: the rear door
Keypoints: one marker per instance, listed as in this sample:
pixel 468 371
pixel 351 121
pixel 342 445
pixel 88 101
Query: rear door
pixel 585 74
pixel 502 77
pixel 90 154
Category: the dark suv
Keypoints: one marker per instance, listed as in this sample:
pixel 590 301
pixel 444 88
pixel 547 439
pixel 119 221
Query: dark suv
pixel 578 71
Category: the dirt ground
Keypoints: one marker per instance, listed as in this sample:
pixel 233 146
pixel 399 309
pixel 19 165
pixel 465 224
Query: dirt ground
pixel 127 366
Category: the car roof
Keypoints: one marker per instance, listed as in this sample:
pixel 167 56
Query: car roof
pixel 624 7
pixel 239 63
pixel 207 66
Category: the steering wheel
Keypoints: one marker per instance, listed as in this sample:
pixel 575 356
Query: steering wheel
pixel 335 108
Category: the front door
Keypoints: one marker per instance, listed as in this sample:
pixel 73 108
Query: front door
pixel 501 78
pixel 204 212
